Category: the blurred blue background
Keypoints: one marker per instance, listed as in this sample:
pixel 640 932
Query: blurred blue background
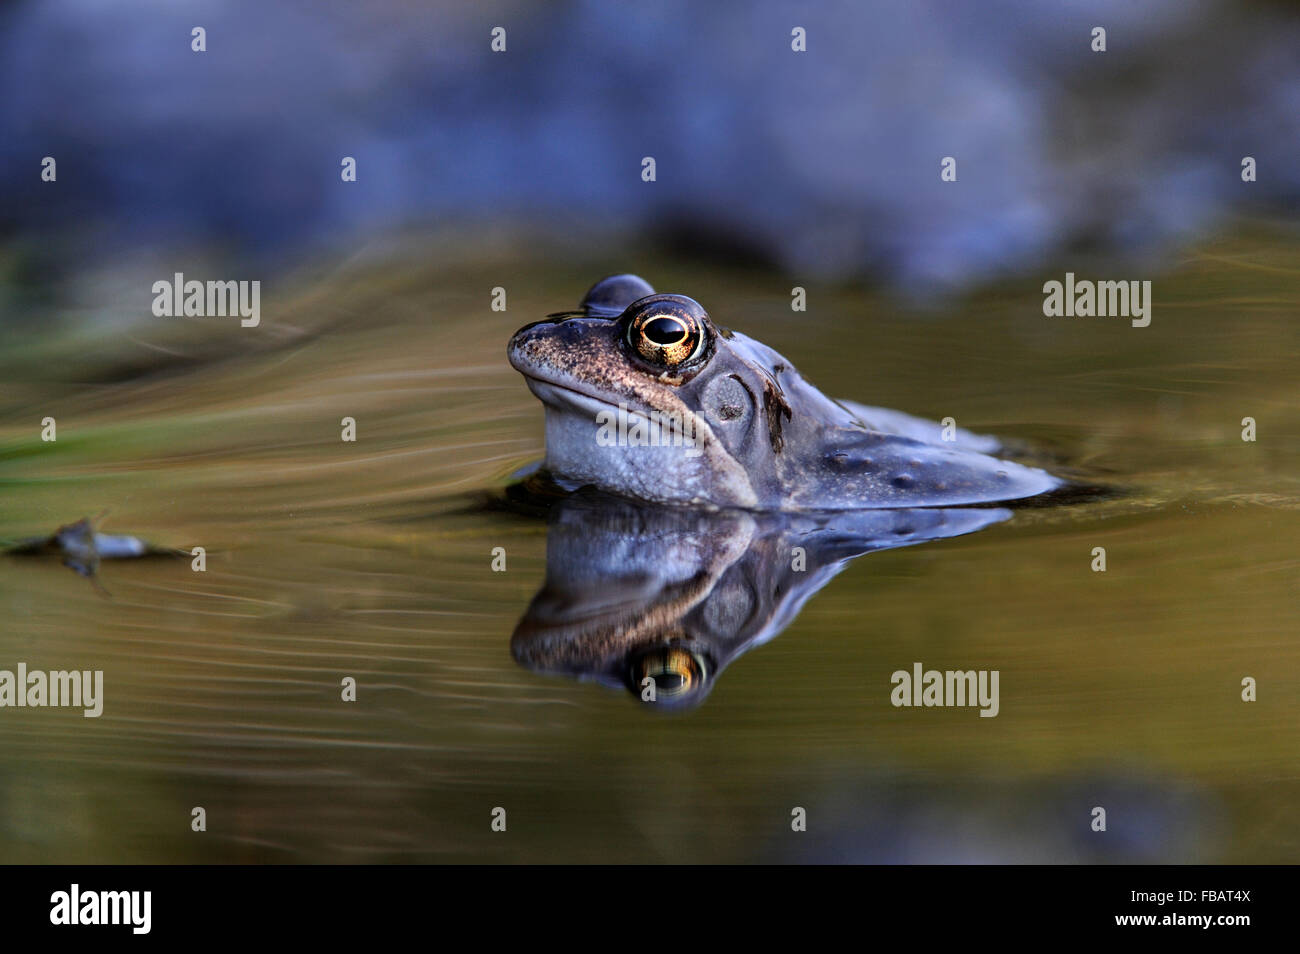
pixel 824 162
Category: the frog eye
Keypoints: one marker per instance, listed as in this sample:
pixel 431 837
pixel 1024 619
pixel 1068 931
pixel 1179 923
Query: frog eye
pixel 678 675
pixel 667 330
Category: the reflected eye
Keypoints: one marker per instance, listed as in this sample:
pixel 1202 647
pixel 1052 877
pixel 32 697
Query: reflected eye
pixel 667 330
pixel 676 672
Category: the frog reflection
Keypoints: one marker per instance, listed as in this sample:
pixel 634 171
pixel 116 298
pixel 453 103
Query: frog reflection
pixel 660 600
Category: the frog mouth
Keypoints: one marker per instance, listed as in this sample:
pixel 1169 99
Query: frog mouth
pixel 571 416
pixel 562 398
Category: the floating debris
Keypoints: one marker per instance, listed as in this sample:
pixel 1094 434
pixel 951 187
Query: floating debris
pixel 82 548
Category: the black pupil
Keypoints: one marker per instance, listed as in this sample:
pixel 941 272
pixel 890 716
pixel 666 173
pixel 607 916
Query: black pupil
pixel 669 682
pixel 664 331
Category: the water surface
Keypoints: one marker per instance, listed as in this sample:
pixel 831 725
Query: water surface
pixel 373 560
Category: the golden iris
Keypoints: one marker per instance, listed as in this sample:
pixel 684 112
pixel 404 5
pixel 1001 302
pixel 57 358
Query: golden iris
pixel 675 671
pixel 664 338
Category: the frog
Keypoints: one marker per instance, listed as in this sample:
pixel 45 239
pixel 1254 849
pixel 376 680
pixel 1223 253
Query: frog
pixel 646 397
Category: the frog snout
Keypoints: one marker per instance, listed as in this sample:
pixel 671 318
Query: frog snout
pixel 556 344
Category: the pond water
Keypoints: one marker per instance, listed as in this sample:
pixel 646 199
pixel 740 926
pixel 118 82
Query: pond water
pixel 373 560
